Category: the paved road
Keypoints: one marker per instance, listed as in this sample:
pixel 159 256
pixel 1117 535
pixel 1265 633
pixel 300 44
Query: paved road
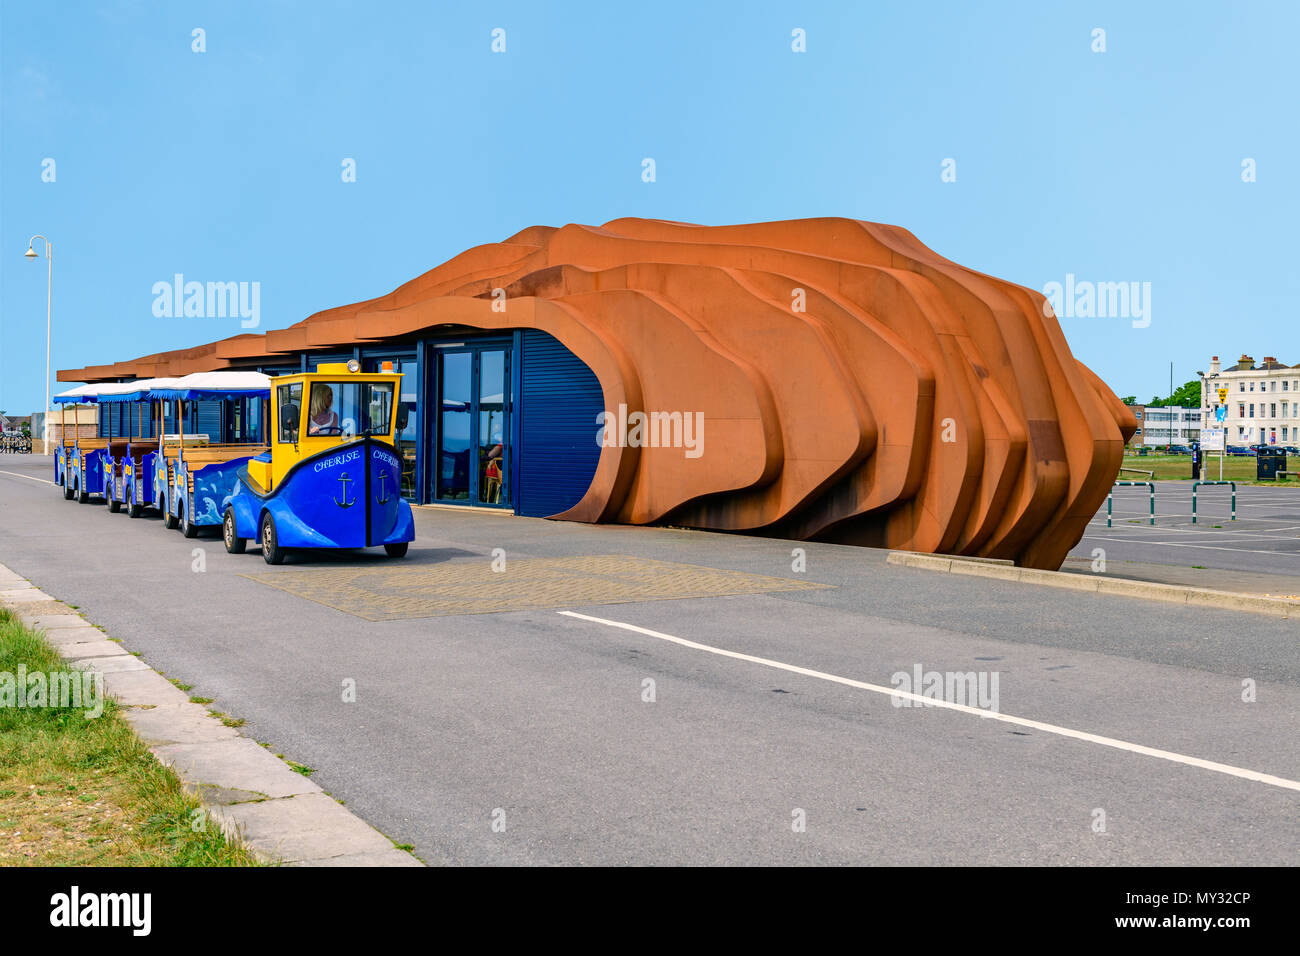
pixel 541 716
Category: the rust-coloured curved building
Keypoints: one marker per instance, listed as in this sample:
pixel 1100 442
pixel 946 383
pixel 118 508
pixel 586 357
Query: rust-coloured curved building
pixel 823 379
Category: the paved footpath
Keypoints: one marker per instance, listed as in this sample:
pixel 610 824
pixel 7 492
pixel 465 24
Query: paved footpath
pixel 251 794
pixel 622 695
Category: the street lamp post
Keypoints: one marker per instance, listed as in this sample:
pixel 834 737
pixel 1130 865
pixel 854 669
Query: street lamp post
pixel 49 298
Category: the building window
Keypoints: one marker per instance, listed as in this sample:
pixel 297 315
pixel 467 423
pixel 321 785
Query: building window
pixel 1252 409
pixel 1241 410
pixel 1272 410
pixel 290 395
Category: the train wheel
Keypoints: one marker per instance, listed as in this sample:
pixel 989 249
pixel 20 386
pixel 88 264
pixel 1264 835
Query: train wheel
pixel 67 489
pixel 82 497
pixel 271 550
pixel 234 543
pixel 114 505
pixel 396 550
pixel 188 528
pixel 169 519
pixel 134 510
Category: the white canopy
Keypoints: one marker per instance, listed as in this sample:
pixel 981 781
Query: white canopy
pixel 215 385
pixel 82 393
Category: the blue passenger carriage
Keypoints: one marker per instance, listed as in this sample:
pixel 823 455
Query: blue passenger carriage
pixel 191 473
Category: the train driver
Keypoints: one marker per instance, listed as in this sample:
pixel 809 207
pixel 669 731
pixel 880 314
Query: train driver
pixel 323 420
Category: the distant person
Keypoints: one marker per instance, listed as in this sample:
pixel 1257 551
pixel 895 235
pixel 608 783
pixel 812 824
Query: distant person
pixel 323 419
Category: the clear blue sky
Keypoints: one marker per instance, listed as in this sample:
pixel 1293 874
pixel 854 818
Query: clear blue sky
pixel 225 165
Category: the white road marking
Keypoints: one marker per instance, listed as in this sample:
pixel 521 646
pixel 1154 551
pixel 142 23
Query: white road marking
pixel 1208 542
pixel 1225 537
pixel 1208 533
pixel 961 708
pixel 1140 521
pixel 28 477
pixel 1198 547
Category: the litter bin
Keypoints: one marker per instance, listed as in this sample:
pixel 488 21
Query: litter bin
pixel 1269 462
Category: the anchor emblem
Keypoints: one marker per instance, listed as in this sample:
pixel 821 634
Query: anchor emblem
pixel 383 498
pixel 343 480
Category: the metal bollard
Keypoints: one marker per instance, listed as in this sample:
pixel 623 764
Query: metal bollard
pixel 1150 486
pixel 1197 484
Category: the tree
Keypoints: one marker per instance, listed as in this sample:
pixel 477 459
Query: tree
pixel 1187 395
pixel 1129 399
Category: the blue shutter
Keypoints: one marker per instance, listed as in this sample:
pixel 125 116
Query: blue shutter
pixel 209 421
pixel 560 399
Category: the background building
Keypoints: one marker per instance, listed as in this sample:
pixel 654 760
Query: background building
pixel 1263 401
pixel 79 420
pixel 1169 425
pixel 1136 439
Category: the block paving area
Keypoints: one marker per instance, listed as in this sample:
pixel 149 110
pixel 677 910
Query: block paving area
pixel 394 593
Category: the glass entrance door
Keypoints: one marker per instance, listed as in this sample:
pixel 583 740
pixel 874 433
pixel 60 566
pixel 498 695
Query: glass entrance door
pixel 406 438
pixel 473 426
pixel 491 452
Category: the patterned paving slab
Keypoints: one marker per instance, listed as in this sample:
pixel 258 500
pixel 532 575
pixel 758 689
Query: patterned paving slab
pixel 472 587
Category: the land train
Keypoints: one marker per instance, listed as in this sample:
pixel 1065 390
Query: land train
pixel 313 461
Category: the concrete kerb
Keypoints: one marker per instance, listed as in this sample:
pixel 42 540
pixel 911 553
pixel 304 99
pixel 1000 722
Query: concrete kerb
pixel 256 798
pixel 1125 587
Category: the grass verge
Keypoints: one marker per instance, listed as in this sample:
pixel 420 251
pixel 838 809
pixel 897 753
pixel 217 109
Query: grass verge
pixel 1238 468
pixel 79 792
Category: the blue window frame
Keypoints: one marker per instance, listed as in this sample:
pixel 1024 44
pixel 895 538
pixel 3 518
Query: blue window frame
pixel 472 435
pixel 407 440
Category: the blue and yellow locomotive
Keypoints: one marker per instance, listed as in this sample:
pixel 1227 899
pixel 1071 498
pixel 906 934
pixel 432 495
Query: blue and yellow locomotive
pixel 332 475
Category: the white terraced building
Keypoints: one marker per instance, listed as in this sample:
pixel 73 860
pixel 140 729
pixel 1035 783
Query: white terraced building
pixel 1263 401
